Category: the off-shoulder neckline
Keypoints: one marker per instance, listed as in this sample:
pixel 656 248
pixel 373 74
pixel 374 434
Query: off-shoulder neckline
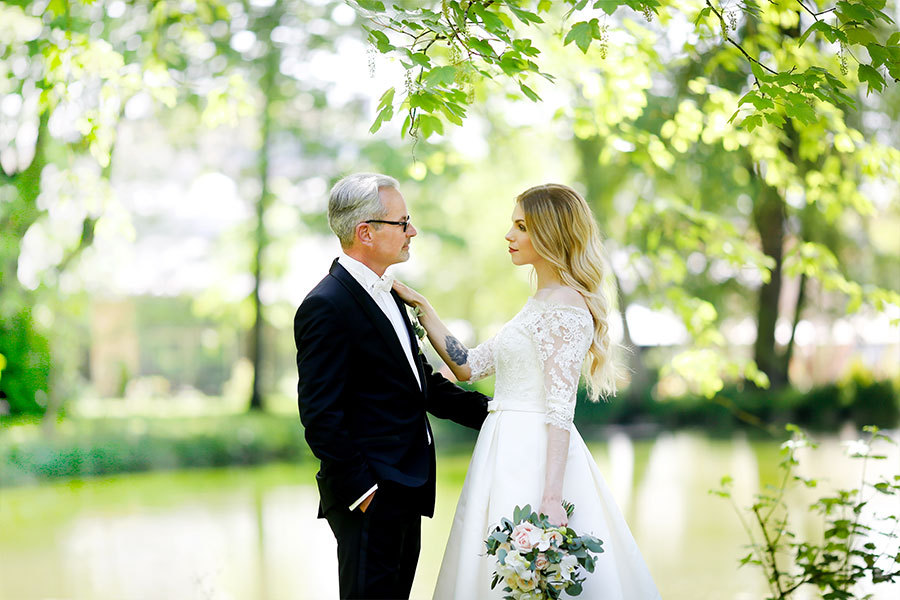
pixel 553 303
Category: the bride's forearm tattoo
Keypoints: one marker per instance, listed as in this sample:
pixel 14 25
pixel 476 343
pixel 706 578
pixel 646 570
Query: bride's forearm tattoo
pixel 456 351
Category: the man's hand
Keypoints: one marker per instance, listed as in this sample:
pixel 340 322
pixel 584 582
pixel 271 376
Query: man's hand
pixel 365 503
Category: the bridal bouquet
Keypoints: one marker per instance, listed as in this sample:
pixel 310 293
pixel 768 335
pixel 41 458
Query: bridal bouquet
pixel 537 561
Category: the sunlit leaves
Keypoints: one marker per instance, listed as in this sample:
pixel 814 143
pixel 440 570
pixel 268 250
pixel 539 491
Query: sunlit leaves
pixel 385 110
pixel 429 124
pixel 497 35
pixel 816 260
pixel 444 49
pixel 705 370
pixel 440 76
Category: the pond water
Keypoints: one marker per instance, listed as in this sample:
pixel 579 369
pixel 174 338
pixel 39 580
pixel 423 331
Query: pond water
pixel 252 533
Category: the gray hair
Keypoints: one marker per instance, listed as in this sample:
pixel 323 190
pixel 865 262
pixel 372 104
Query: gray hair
pixel 355 199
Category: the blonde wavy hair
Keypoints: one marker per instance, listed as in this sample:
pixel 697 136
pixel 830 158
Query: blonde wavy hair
pixel 564 233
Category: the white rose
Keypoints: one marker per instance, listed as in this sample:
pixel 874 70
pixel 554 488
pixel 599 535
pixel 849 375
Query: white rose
pixel 553 536
pixel 515 561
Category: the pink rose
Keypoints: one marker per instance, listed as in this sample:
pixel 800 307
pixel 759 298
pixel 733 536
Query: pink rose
pixel 526 536
pixel 541 562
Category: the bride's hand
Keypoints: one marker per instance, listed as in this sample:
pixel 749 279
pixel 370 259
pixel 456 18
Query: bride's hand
pixel 555 513
pixel 409 295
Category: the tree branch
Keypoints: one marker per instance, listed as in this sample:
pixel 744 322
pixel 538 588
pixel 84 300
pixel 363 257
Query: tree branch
pixel 814 16
pixel 738 46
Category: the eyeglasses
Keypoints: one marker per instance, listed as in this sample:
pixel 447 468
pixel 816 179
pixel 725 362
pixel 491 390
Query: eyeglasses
pixel 405 224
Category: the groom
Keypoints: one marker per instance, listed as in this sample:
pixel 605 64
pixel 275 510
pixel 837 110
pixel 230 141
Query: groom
pixel 363 393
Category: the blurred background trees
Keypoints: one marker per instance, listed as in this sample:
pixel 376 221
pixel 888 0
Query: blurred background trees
pixel 164 170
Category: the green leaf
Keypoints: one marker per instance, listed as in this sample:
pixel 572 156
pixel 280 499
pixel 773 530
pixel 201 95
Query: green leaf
pixel 860 35
pixel 421 59
pixel 512 65
pixel 490 21
pixel 582 34
pixel 751 122
pixel 759 102
pixel 381 41
pixel 607 6
pixel 800 110
pixel 774 119
pixel 879 54
pixel 869 75
pixel 854 12
pixel 384 114
pixel 529 92
pixel 455 117
pixel 524 15
pixel 482 47
pixel 429 124
pixel 387 98
pixel 425 100
pixel 822 26
pixel 372 5
pixel 758 71
pixel 705 13
pixel 875 4
pixel 894 39
pixel 440 76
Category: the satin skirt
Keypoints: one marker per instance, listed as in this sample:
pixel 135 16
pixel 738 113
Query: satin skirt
pixel 507 469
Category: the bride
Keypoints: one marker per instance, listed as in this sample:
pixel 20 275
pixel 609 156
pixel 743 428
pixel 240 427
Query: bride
pixel 528 450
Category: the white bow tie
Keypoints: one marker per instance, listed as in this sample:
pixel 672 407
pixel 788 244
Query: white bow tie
pixel 384 283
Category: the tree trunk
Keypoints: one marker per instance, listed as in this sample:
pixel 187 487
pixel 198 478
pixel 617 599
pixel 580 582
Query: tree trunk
pixel 270 63
pixel 640 376
pixel 798 310
pixel 769 217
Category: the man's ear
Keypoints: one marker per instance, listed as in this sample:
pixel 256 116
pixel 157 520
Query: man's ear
pixel 363 234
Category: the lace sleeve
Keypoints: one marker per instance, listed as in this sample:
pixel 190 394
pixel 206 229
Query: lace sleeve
pixel 563 336
pixel 481 360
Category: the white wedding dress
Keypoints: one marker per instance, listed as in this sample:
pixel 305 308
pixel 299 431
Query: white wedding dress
pixel 537 357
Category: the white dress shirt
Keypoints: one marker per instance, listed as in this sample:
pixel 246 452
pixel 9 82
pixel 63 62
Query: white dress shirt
pixel 367 278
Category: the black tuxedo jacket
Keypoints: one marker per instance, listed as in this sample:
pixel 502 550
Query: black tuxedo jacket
pixel 362 410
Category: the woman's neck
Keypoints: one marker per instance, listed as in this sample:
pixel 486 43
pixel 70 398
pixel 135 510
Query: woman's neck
pixel 547 276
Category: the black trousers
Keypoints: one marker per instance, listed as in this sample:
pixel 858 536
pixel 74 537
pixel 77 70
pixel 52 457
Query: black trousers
pixel 377 550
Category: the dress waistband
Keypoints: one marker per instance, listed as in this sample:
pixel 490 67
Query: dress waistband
pixel 498 406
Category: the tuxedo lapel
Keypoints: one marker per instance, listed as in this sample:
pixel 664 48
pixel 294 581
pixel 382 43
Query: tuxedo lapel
pixel 375 314
pixel 413 339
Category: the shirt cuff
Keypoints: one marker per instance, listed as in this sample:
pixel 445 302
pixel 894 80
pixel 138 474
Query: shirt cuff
pixel 363 497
